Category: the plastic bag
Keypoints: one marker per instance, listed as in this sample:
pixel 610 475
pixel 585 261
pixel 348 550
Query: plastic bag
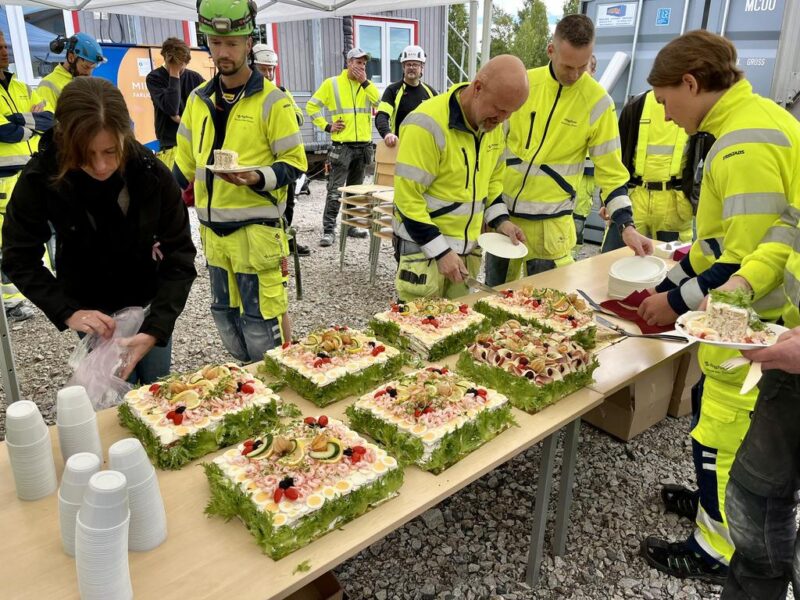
pixel 96 361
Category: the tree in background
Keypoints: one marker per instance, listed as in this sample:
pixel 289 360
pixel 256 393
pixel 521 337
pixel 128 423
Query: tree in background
pixel 503 31
pixel 571 7
pixel 459 19
pixel 532 34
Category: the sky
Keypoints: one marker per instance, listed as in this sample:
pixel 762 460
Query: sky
pixel 512 6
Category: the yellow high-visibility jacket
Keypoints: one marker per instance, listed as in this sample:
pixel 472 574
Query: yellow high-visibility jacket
pixel 548 139
pixel 297 110
pixel 448 178
pixel 777 155
pixel 348 100
pixel 20 127
pixel 262 128
pixel 750 177
pixel 50 87
pixel 660 145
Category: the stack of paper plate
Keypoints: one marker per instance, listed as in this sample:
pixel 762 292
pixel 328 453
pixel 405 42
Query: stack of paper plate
pixel 634 273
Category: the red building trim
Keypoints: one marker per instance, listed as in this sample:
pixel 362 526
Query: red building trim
pixel 278 52
pixel 186 34
pixel 76 25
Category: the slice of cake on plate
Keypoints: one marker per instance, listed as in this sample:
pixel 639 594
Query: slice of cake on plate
pixel 432 417
pixel 184 417
pixel 297 482
pixel 546 309
pixel 533 368
pixel 729 317
pixel 432 328
pixel 330 364
pixel 226 159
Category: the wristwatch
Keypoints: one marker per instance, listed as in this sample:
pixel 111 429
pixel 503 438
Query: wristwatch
pixel 625 225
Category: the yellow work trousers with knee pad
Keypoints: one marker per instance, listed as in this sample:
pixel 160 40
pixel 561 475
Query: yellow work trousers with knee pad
pixel 419 277
pixel 259 250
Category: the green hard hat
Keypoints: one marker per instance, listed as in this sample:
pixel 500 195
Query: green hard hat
pixel 226 17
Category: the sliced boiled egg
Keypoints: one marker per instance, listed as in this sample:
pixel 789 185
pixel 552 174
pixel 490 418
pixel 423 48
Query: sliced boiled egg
pixel 343 486
pixel 262 498
pixel 419 429
pixel 315 501
pixel 378 466
pixel 389 461
pixel 279 519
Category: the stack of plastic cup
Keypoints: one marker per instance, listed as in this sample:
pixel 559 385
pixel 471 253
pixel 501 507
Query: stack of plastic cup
pixel 148 527
pixel 101 539
pixel 80 468
pixel 77 423
pixel 30 451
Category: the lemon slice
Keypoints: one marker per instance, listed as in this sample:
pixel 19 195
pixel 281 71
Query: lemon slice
pixel 190 398
pixel 278 519
pixel 315 501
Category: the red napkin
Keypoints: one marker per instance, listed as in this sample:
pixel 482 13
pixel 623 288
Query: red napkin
pixel 626 309
pixel 681 253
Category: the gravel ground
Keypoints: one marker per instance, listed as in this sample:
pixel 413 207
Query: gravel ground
pixel 473 545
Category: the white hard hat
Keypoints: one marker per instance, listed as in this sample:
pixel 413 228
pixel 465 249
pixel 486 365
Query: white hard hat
pixel 412 53
pixel 264 55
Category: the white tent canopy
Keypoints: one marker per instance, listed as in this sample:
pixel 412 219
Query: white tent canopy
pixel 271 11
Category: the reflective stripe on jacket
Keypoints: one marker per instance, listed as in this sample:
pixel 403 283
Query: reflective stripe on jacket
pixel 448 178
pixel 548 140
pixel 348 101
pixel 262 128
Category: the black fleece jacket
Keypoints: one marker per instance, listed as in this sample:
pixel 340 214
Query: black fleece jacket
pixel 106 258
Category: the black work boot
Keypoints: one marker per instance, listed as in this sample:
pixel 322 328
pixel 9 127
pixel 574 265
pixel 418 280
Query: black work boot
pixel 679 560
pixel 680 500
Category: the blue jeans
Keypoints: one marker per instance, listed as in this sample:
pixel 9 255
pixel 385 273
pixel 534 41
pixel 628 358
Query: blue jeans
pixel 762 494
pixel 497 268
pixel 245 333
pixel 153 366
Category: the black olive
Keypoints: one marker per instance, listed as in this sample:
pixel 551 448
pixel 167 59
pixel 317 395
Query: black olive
pixel 472 391
pixel 430 317
pixel 322 355
pixel 257 444
pixel 348 452
pixel 239 386
pixel 392 392
pixel 286 483
pixel 371 344
pixel 180 410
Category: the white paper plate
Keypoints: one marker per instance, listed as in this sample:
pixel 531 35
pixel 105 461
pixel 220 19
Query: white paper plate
pixel 682 328
pixel 501 245
pixel 638 269
pixel 239 169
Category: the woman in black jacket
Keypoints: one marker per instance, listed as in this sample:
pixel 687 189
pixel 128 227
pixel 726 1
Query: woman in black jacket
pixel 122 231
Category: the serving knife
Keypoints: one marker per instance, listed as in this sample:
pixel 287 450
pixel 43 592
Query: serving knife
pixel 474 283
pixel 653 336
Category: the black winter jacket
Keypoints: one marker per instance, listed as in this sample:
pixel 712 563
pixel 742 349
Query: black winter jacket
pixel 101 264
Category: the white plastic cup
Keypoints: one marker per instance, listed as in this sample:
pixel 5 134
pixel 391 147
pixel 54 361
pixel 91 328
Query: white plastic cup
pixel 24 423
pixel 78 471
pixel 34 469
pixel 81 437
pixel 105 501
pixel 67 513
pixel 129 457
pixel 101 561
pixel 148 517
pixel 73 406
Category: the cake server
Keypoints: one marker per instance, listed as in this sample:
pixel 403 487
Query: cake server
pixel 653 336
pixel 597 308
pixel 474 283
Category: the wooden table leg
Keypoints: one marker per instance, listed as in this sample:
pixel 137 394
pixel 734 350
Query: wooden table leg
pixel 565 493
pixel 543 487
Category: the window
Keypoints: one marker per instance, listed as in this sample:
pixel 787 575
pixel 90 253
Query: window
pixel 384 40
pixel 29 31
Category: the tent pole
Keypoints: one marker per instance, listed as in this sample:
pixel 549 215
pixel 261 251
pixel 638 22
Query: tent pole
pixel 486 38
pixel 473 39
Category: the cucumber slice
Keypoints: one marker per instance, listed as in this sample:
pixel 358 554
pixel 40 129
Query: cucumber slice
pixel 264 450
pixel 332 452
